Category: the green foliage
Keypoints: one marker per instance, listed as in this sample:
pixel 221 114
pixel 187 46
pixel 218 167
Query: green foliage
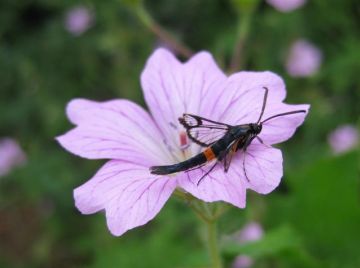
pixel 282 244
pixel 311 221
pixel 273 242
pixel 323 205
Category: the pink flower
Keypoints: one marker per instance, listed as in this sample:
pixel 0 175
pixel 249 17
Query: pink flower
pixel 251 232
pixel 11 155
pixel 343 138
pixel 304 59
pixel 242 261
pixel 134 139
pixel 78 20
pixel 286 5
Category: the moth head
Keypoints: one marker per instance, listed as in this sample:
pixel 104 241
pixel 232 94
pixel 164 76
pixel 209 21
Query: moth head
pixel 256 128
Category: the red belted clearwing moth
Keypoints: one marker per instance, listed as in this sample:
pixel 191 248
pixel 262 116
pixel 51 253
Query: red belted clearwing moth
pixel 221 140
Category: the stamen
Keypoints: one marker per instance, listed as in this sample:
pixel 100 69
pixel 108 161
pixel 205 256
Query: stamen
pixel 184 143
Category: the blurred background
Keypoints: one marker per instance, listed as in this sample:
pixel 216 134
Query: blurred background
pixel 54 51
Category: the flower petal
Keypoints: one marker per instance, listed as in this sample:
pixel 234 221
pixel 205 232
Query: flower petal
pixel 244 101
pixel 244 93
pixel 172 88
pixel 116 129
pixel 130 195
pixel 263 167
pixel 216 186
pixel 282 128
pixel 81 110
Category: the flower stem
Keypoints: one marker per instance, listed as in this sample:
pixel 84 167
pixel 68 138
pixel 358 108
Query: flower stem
pixel 162 34
pixel 213 244
pixel 209 214
pixel 242 33
pixel 246 10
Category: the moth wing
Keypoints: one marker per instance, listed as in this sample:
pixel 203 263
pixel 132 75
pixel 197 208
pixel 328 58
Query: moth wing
pixel 203 131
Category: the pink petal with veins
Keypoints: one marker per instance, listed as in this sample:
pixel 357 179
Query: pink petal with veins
pixel 247 96
pixel 282 128
pixel 262 169
pixel 113 130
pixel 243 96
pixel 172 88
pixel 130 195
pixel 216 186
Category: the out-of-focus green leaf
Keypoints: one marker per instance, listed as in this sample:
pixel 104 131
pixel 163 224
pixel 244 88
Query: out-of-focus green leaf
pixel 273 242
pixel 323 205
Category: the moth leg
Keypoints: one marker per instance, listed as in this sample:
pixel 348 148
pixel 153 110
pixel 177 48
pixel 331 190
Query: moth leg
pixel 262 142
pixel 247 143
pixel 244 169
pixel 228 155
pixel 194 168
pixel 222 156
pixel 207 173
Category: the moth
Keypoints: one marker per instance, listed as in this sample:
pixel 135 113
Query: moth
pixel 221 141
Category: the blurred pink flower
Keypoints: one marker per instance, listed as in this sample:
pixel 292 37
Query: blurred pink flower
pixel 134 140
pixel 286 5
pixel 343 138
pixel 78 20
pixel 304 59
pixel 250 232
pixel 242 261
pixel 11 155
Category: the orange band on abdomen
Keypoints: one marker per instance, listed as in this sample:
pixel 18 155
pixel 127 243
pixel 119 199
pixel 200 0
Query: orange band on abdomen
pixel 209 154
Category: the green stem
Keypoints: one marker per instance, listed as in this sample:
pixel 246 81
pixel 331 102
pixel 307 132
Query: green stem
pixel 208 214
pixel 161 33
pixel 199 212
pixel 213 244
pixel 243 29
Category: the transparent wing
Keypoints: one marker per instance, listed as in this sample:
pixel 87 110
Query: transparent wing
pixel 203 131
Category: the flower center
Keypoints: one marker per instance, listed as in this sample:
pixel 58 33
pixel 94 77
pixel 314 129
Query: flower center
pixel 184 145
pixel 183 140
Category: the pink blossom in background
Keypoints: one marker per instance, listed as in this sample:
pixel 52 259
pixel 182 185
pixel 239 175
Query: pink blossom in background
pixel 78 20
pixel 250 232
pixel 286 5
pixel 304 59
pixel 11 155
pixel 343 138
pixel 242 261
pixel 134 139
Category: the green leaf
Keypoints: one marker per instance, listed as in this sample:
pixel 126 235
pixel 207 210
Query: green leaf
pixel 272 243
pixel 323 207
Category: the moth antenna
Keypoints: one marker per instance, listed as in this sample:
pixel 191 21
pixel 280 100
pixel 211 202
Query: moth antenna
pixel 264 104
pixel 282 114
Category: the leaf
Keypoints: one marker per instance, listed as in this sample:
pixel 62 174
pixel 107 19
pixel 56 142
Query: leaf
pixel 323 207
pixel 273 242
